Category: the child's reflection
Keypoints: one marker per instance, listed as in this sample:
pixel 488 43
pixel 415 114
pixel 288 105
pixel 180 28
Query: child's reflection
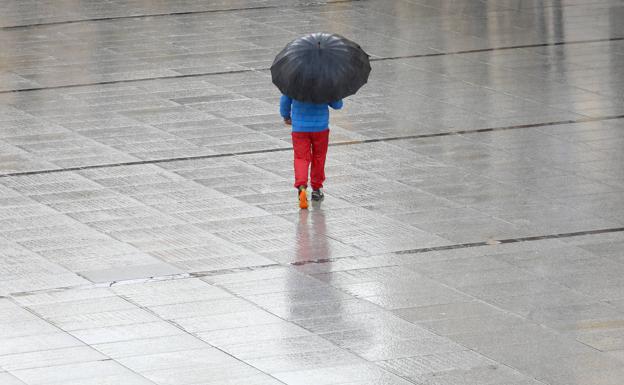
pixel 309 297
pixel 311 237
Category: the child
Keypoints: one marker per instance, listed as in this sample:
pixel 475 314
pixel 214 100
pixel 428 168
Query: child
pixel 310 135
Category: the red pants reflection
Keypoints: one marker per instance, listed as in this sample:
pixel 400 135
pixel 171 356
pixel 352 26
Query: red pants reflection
pixel 310 147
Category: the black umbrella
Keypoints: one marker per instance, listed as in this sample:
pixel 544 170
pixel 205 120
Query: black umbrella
pixel 320 68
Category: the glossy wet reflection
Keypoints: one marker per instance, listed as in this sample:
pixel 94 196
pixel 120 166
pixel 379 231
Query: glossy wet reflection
pixel 312 242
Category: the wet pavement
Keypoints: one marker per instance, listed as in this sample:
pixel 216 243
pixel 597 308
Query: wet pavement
pixel 472 231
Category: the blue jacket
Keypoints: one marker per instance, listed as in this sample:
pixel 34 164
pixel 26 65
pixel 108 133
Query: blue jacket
pixel 307 117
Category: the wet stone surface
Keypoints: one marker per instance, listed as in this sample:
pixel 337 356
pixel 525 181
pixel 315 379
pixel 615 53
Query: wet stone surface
pixel 472 231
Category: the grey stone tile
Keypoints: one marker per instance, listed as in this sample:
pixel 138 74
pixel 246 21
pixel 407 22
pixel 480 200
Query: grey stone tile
pixel 570 316
pixel 54 357
pixel 399 301
pixel 447 311
pixel 102 319
pixel 472 325
pixel 251 318
pixel 129 273
pixel 257 379
pixel 8 379
pixel 353 329
pixel 129 378
pixel 303 361
pixel 296 311
pixel 617 354
pixel 600 377
pixel 200 374
pixel 603 340
pixel 26 327
pixel 393 348
pixel 342 374
pixel 73 372
pixel 440 362
pixel 198 309
pixel 53 297
pixel 126 332
pixel 170 292
pixel 279 347
pixel 527 304
pixel 251 334
pixel 38 342
pixel 206 356
pixel 155 345
pixel 494 375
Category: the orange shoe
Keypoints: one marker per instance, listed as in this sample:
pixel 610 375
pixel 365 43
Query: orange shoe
pixel 303 198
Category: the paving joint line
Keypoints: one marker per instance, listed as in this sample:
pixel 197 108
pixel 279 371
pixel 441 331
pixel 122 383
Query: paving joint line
pixel 129 17
pixel 504 48
pixel 479 244
pixel 209 273
pixel 264 69
pixel 166 14
pixel 336 144
pixel 123 81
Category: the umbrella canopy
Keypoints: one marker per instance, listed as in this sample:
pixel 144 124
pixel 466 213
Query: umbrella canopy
pixel 320 68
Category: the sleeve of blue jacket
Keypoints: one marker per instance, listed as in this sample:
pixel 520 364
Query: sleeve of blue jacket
pixel 285 103
pixel 336 105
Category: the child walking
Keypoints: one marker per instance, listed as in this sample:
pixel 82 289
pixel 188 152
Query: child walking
pixel 310 138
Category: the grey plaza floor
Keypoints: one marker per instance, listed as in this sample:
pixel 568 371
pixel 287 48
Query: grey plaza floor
pixel 473 226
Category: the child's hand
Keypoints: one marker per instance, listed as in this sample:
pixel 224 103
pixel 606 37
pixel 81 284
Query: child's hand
pixel 288 121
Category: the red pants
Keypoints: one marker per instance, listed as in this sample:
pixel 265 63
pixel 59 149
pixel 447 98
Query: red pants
pixel 310 147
